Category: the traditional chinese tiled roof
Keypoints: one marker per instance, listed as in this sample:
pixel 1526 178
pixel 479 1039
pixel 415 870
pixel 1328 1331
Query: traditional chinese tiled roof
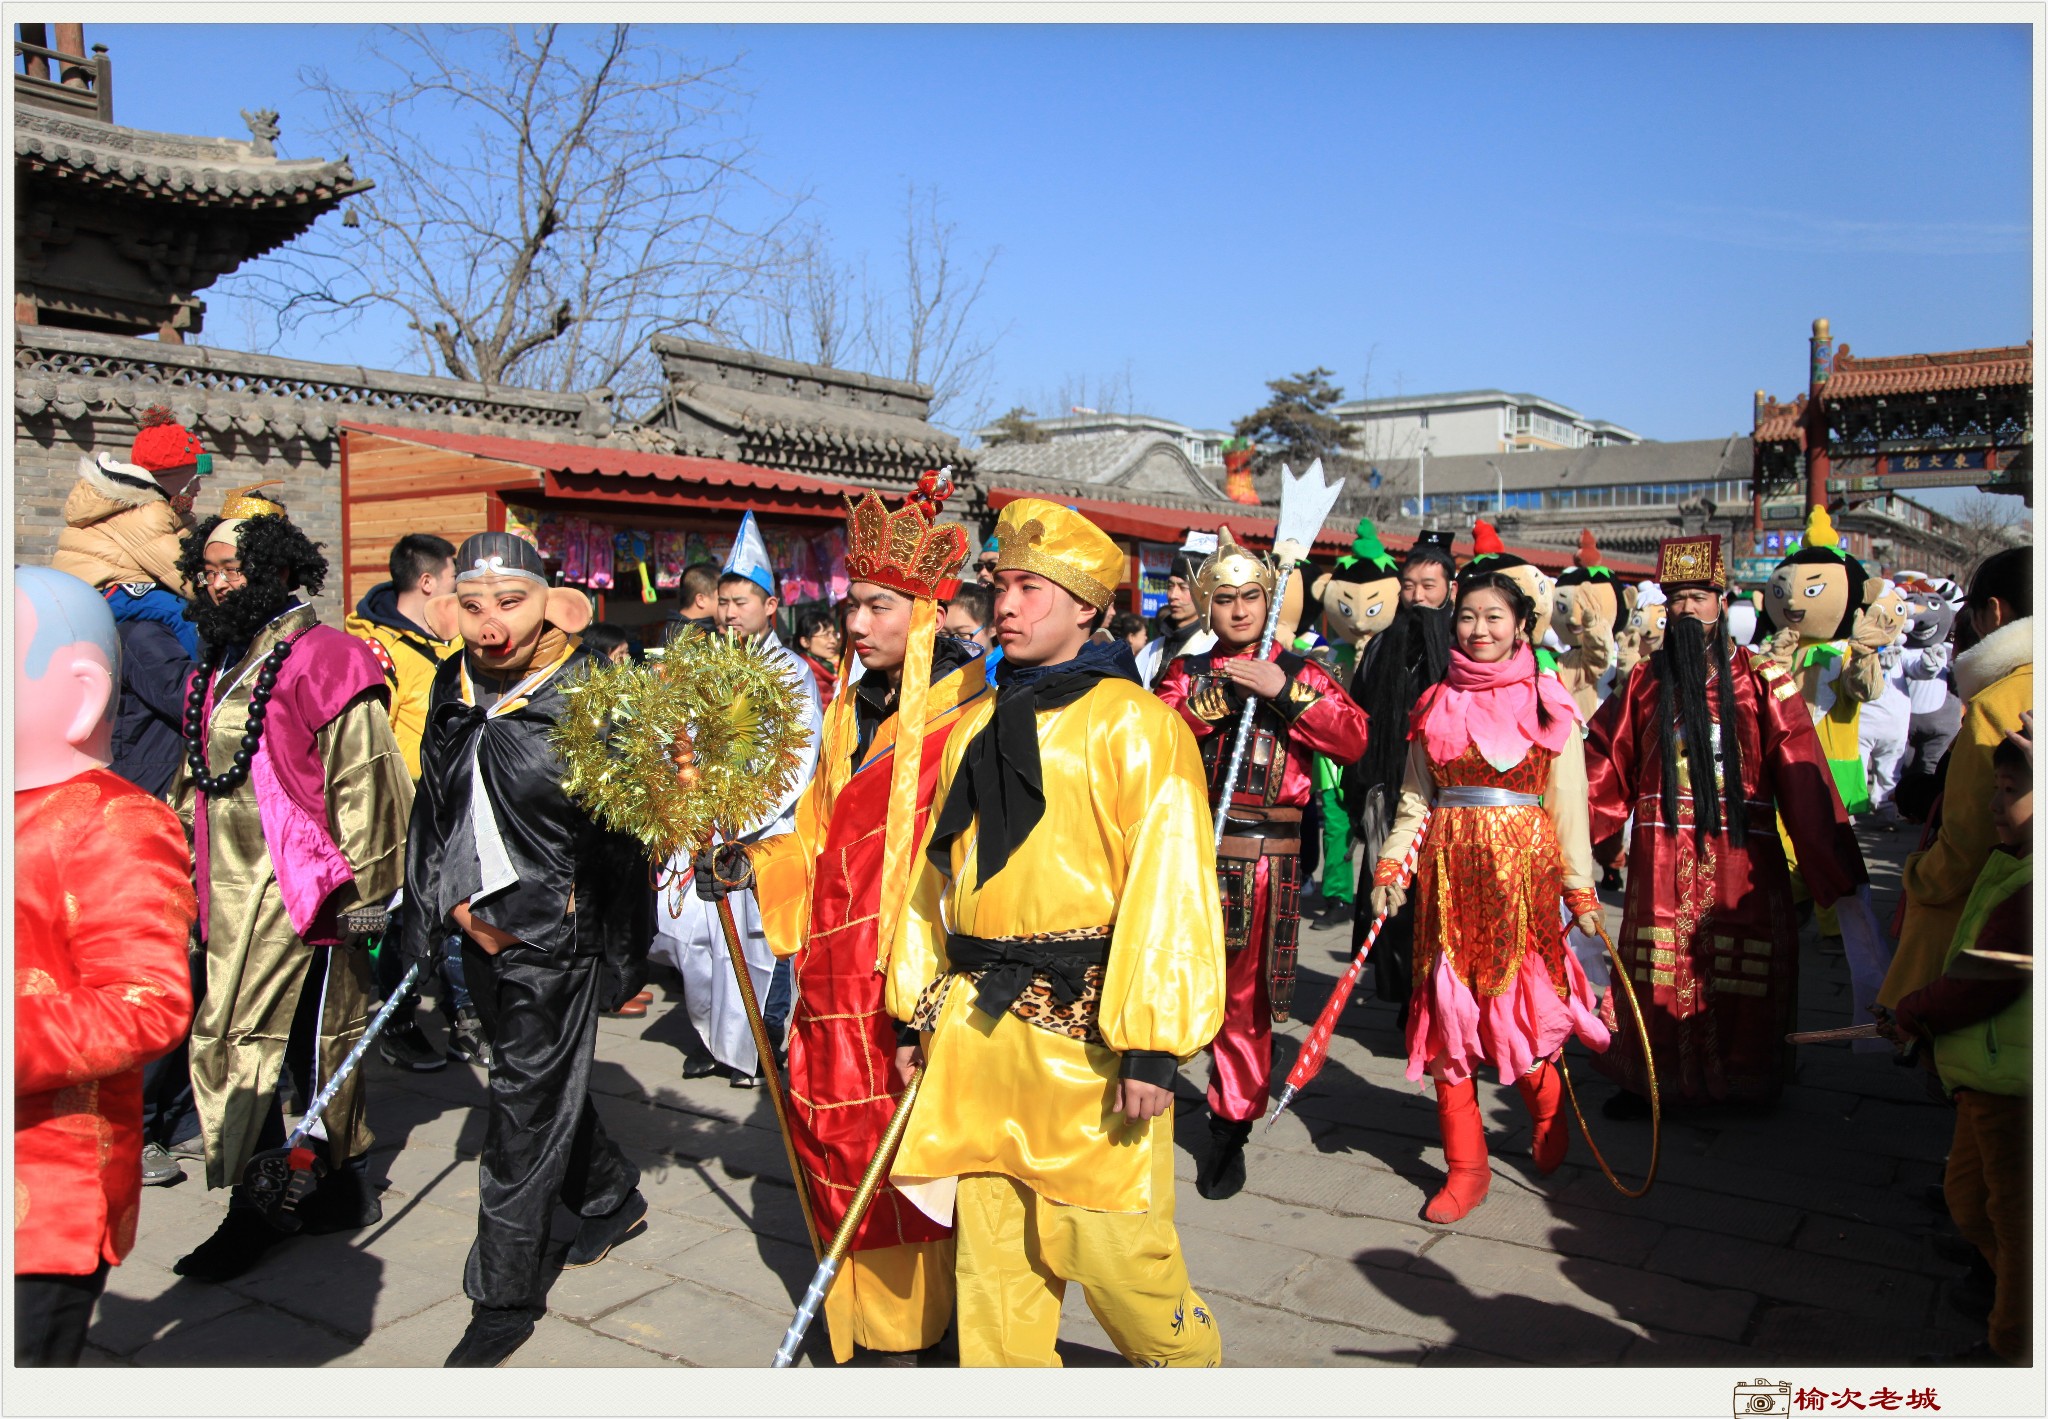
pixel 1853 378
pixel 1141 460
pixel 1781 423
pixel 813 419
pixel 173 167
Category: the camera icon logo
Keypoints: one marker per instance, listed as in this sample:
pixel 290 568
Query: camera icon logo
pixel 1762 1397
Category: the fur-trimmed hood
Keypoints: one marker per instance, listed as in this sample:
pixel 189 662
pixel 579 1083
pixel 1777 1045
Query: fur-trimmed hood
pixel 1990 660
pixel 119 531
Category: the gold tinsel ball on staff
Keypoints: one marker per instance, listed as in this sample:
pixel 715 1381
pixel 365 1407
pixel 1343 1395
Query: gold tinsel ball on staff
pixel 710 737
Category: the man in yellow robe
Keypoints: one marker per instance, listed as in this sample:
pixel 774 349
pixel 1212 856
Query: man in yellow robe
pixel 1059 967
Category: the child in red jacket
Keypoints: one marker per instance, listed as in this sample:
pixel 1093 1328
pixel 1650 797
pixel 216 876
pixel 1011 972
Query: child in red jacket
pixel 103 907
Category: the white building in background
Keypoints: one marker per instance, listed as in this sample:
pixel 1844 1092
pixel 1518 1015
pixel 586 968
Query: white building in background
pixel 1204 447
pixel 1475 421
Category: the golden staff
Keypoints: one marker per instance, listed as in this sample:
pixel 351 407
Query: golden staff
pixel 769 1071
pixel 842 1240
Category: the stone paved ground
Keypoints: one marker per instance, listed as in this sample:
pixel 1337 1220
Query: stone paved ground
pixel 1797 1235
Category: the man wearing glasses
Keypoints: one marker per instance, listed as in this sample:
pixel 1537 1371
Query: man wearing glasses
pixel 298 796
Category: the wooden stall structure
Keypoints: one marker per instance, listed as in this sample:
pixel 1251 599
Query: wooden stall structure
pixel 396 480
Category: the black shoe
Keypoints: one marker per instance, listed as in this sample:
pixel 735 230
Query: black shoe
pixel 159 1168
pixel 237 1245
pixel 408 1049
pixel 466 1042
pixel 1222 1174
pixel 1334 913
pixel 699 1066
pixel 345 1201
pixel 1610 880
pixel 596 1236
pixel 1625 1105
pixel 492 1337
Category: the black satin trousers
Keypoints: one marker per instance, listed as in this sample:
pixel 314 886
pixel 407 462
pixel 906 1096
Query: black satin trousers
pixel 543 1141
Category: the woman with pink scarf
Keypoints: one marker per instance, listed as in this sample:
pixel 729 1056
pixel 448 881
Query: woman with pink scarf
pixel 1495 760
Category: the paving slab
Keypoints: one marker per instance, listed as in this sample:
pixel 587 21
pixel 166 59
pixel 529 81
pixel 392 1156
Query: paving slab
pixel 1793 1234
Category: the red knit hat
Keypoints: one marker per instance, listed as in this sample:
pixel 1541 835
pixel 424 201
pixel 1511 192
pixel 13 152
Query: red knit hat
pixel 1484 538
pixel 163 443
pixel 1588 554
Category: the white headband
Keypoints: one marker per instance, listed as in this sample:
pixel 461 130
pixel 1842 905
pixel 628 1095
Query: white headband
pixel 494 565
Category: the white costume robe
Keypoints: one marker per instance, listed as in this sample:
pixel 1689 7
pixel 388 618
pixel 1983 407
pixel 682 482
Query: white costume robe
pixel 687 933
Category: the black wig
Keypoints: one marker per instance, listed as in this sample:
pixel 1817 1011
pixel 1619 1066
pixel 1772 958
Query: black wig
pixel 1681 667
pixel 276 560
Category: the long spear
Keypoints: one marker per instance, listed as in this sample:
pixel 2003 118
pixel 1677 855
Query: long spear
pixel 1316 1048
pixel 1305 503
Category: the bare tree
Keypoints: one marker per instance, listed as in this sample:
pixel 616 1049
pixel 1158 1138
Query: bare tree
pixel 926 327
pixel 1984 524
pixel 547 199
pixel 921 322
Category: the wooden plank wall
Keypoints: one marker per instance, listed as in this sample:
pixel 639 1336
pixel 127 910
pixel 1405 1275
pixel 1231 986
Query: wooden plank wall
pixel 395 488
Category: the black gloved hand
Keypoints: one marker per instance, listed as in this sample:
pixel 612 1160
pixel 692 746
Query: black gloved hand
pixel 722 870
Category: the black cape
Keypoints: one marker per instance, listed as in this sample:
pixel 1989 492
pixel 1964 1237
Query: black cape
pixel 555 848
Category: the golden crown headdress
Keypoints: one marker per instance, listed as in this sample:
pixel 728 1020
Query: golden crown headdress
pixel 245 502
pixel 903 550
pixel 1232 565
pixel 1691 563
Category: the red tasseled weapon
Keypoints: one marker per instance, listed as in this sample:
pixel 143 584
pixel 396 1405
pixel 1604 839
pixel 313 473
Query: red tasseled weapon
pixel 1316 1048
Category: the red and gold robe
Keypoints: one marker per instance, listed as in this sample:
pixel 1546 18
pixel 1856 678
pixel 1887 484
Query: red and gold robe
pixel 103 910
pixel 1262 903
pixel 1708 935
pixel 820 887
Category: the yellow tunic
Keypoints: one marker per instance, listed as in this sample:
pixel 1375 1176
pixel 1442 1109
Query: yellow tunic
pixel 1126 836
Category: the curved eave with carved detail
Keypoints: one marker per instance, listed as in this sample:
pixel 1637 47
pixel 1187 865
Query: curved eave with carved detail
pixel 71 154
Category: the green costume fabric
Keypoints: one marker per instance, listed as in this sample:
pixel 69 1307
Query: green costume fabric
pixel 1995 1055
pixel 1338 882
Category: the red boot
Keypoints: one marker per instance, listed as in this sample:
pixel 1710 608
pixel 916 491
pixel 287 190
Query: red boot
pixel 1457 1114
pixel 1542 1091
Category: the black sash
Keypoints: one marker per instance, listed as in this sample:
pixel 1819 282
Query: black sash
pixel 1009 966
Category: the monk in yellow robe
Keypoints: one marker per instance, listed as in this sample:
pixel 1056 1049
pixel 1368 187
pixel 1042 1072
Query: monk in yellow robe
pixel 834 888
pixel 1059 966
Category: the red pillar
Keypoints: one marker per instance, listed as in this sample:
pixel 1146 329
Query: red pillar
pixel 1820 350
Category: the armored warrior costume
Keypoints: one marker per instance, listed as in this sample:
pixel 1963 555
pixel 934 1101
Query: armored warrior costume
pixel 1258 865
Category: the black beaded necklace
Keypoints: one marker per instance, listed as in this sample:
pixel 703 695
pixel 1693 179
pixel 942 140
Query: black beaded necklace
pixel 216 785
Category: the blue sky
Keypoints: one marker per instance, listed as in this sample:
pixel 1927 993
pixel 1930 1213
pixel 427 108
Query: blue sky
pixel 1639 221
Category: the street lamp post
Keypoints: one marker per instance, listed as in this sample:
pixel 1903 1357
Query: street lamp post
pixel 1422 483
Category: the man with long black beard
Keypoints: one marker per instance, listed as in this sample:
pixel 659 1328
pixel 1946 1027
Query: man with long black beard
pixel 1708 934
pixel 298 795
pixel 1397 666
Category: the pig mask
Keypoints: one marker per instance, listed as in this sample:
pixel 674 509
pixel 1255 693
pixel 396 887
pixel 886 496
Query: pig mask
pixel 502 604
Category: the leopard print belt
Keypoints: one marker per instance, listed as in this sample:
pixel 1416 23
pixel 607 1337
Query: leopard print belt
pixel 1053 981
